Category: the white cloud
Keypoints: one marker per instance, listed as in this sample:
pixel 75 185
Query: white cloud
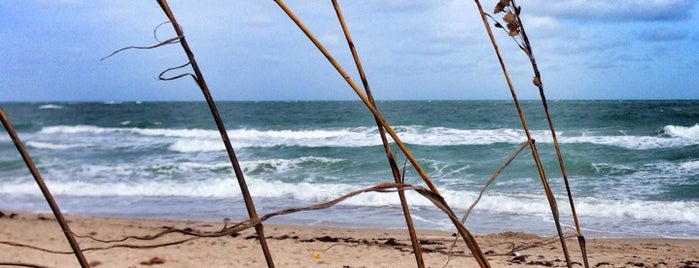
pixel 402 5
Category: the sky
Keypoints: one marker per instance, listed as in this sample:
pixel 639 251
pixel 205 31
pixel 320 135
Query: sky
pixel 410 50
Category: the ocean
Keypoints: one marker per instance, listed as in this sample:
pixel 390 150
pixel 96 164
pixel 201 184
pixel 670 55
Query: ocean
pixel 633 166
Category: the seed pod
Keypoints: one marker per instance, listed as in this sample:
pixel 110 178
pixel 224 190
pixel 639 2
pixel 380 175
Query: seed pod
pixel 498 8
pixel 537 81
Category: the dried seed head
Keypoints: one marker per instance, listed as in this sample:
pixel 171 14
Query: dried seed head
pixel 504 2
pixel 512 26
pixel 498 8
pixel 514 32
pixel 509 17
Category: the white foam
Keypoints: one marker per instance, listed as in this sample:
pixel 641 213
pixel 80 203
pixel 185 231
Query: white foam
pixel 279 166
pixel 193 146
pixel 682 132
pixel 677 211
pixel 520 204
pixel 632 142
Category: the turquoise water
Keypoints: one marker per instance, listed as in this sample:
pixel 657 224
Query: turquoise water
pixel 633 165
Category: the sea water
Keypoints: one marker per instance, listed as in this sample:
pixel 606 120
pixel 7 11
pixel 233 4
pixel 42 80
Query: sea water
pixel 633 166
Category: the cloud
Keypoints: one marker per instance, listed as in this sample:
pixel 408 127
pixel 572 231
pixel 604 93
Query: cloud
pixel 57 1
pixel 592 46
pixel 402 5
pixel 259 21
pixel 545 27
pixel 431 45
pixel 661 34
pixel 620 10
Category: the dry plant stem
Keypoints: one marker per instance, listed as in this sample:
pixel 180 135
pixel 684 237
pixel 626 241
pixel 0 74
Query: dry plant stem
pixel 166 42
pixel 470 241
pixel 549 194
pixel 487 183
pixel 433 194
pixel 17 264
pixel 540 86
pixel 394 168
pixel 559 155
pixel 361 95
pixel 44 190
pixel 493 177
pixel 435 198
pixel 199 78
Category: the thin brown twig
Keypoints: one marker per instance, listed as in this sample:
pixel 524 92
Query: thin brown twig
pixel 435 198
pixel 493 177
pixel 162 77
pixel 336 245
pixel 173 40
pixel 480 195
pixel 21 245
pixel 21 264
pixel 225 231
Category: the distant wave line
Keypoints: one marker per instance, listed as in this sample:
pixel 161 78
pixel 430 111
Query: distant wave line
pixel 203 140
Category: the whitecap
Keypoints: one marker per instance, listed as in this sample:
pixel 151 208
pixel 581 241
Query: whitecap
pixel 50 106
pixel 50 146
pixel 682 131
pixel 690 166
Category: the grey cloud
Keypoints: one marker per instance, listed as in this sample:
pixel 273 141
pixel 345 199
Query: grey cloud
pixel 661 34
pixel 696 36
pixel 620 10
pixel 593 45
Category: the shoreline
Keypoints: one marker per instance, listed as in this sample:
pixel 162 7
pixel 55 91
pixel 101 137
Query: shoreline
pixel 317 246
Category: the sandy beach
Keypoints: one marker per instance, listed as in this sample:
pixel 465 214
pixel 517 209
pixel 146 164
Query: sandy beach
pixel 304 246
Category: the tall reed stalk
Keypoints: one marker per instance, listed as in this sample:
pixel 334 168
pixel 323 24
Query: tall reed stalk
pixel 512 17
pixel 395 171
pixel 357 90
pixel 466 235
pixel 513 26
pixel 44 190
pixel 199 79
pixel 515 29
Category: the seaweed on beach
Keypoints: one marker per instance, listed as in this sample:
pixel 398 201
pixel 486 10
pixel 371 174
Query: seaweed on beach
pixel 514 28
